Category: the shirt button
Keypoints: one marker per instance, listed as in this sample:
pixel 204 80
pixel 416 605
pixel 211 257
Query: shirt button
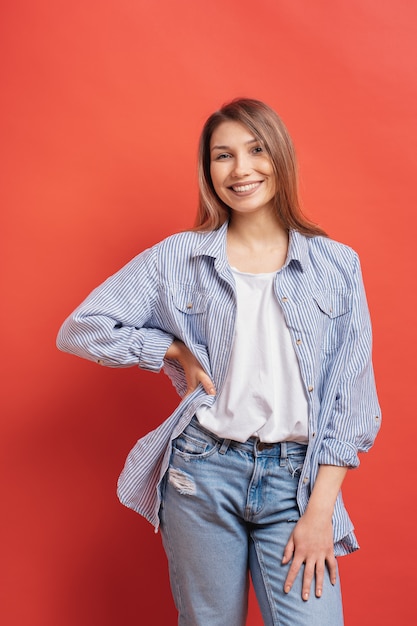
pixel 100 361
pixel 189 305
pixel 310 387
pixel 298 342
pixel 313 434
pixel 285 299
pixel 305 481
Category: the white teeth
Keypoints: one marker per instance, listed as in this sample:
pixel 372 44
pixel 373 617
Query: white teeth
pixel 242 188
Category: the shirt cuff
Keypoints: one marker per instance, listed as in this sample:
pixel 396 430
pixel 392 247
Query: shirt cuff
pixel 155 344
pixel 340 453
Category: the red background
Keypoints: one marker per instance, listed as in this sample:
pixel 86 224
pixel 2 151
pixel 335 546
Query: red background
pixel 102 105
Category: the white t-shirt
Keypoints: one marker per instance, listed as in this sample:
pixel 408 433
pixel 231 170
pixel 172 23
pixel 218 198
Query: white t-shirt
pixel 263 394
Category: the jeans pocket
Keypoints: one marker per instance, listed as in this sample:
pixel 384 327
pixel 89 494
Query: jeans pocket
pixel 192 447
pixel 295 464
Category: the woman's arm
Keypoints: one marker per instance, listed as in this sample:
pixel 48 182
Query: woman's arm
pixel 350 406
pixel 311 541
pixel 113 326
pixel 351 427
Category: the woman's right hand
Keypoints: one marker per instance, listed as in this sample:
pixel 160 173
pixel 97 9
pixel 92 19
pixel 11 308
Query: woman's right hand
pixel 194 373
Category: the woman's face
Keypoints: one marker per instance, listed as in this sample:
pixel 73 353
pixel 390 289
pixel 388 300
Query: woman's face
pixel 240 169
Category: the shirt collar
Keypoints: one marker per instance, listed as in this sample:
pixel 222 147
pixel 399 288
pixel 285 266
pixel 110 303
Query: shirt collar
pixel 298 250
pixel 214 245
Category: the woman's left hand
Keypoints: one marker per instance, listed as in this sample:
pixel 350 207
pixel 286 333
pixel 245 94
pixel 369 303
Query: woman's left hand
pixel 311 544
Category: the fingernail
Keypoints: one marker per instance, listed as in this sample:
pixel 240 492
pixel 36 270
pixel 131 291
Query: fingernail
pixel 305 596
pixel 318 593
pixel 287 589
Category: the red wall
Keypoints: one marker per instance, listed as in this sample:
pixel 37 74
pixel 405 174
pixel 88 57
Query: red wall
pixel 102 104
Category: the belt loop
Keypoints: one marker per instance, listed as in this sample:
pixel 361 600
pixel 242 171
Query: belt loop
pixel 224 447
pixel 283 455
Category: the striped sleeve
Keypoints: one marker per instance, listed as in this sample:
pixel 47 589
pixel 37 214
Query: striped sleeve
pixel 355 419
pixel 113 326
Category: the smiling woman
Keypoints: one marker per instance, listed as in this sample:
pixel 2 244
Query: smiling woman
pixel 262 325
pixel 257 123
pixel 241 171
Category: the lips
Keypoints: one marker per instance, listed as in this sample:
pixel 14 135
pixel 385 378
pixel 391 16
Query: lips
pixel 245 188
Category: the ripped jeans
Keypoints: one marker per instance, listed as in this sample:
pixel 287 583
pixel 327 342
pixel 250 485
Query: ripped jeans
pixel 228 509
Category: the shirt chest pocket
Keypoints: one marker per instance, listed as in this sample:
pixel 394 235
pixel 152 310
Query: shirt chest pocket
pixel 190 307
pixel 333 303
pixel 334 308
pixel 189 301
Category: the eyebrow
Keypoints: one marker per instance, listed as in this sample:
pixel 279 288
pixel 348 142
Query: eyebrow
pixel 228 147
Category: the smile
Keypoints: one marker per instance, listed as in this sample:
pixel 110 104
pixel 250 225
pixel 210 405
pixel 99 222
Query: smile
pixel 245 188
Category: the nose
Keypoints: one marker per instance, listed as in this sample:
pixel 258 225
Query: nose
pixel 242 165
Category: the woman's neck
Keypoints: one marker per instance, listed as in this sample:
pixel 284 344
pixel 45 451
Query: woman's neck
pixel 256 244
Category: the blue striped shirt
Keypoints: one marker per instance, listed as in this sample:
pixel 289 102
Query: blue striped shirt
pixel 183 287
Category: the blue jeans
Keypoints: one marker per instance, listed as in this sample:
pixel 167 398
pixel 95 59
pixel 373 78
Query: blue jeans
pixel 228 509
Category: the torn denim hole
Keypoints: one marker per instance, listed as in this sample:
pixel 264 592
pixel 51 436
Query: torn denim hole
pixel 181 481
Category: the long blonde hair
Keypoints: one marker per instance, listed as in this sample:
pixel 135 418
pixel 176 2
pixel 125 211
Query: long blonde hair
pixel 270 130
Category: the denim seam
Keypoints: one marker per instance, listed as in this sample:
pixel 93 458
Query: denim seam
pixel 267 584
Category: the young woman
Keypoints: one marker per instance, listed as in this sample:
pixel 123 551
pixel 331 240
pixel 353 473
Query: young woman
pixel 261 322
